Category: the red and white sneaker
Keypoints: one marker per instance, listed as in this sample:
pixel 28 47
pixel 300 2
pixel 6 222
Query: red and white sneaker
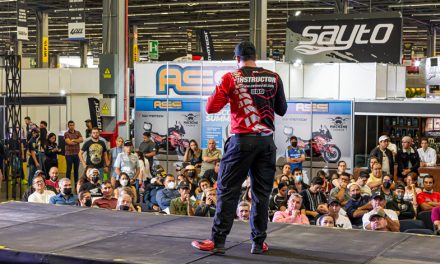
pixel 208 245
pixel 259 249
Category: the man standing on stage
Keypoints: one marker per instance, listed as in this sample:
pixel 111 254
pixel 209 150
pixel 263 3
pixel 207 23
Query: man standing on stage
pixel 254 95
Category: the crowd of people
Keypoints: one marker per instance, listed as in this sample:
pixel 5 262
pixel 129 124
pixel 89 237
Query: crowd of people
pixel 376 199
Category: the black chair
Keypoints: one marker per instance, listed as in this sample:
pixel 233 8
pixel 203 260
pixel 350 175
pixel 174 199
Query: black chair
pixel 422 231
pixel 425 216
pixel 411 224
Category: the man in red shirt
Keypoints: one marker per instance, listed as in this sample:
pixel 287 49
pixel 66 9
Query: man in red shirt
pixel 53 180
pixel 255 95
pixel 108 201
pixel 428 199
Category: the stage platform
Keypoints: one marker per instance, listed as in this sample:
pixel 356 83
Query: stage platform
pixel 33 233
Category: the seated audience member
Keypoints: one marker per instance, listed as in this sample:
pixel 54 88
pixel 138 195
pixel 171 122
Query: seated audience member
pixel 341 192
pixel 204 184
pixel 387 185
pixel 212 174
pixel 31 189
pixel 107 201
pixel 247 195
pixel 286 171
pixel 151 192
pixel 93 185
pixel 379 222
pixel 299 181
pixel 327 186
pixel 378 203
pixel 207 208
pixel 411 189
pixel 210 156
pixel 293 213
pixel 314 200
pixel 283 179
pixel 384 155
pixel 165 195
pixel 435 217
pixel 428 199
pixel 403 209
pixel 124 181
pixel 362 182
pixel 182 205
pixel 243 211
pixel 84 199
pixel 53 179
pixel 373 160
pixel 129 191
pixel 40 195
pixel 84 177
pixel 191 178
pixel 375 179
pixel 407 158
pixel 334 209
pixel 278 202
pixel 66 196
pixel 357 206
pixel 326 220
pixel 428 156
pixel 342 168
pixel 125 203
pixel 193 154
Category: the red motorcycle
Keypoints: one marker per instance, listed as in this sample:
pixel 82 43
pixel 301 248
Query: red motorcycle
pixel 174 141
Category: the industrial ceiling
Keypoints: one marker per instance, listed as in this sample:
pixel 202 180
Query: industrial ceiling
pixel 228 21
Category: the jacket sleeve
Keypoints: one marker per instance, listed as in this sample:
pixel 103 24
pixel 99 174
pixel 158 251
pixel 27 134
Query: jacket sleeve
pixel 201 210
pixel 400 165
pixel 280 102
pixel 162 200
pixel 415 162
pixel 220 96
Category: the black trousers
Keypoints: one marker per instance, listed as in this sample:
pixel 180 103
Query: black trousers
pixel 244 155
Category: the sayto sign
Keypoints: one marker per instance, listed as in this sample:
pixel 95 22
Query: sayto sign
pixel 22 28
pixel 45 49
pixel 345 38
pixel 77 30
pixel 189 80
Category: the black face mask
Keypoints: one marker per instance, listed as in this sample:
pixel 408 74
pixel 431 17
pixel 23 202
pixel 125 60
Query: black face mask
pixel 95 179
pixel 356 196
pixel 124 207
pixel 67 191
pixel 88 203
pixel 294 144
pixel 387 185
pixel 191 174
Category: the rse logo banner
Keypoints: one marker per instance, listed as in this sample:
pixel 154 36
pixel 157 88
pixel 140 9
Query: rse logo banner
pixel 190 80
pixel 167 105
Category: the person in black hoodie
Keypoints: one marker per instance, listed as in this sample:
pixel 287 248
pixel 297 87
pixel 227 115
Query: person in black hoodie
pixel 383 155
pixel 407 159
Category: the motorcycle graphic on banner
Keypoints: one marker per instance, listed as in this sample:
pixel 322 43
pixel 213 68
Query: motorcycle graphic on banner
pixel 171 123
pixel 323 129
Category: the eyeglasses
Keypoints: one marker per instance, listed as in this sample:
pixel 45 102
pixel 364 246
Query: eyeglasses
pixel 39 182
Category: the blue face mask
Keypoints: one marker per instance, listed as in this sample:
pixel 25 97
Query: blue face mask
pixel 299 178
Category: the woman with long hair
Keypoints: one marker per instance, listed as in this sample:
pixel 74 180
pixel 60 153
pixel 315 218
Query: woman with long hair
pixel 51 152
pixel 193 154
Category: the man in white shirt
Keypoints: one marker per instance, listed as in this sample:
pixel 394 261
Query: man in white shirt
pixel 378 202
pixel 334 209
pixel 41 195
pixel 428 156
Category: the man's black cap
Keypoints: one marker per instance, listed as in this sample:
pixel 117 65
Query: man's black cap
pixel 378 194
pixel 147 134
pixel 183 185
pixel 245 48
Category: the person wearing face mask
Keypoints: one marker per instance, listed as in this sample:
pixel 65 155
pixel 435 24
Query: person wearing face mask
pixel 85 199
pixel 125 203
pixel 107 201
pixel 53 180
pixel 151 192
pixel 93 185
pixel 298 181
pixel 124 181
pixel 66 196
pixel 128 163
pixel 387 185
pixel 357 206
pixel 403 209
pixel 295 155
pixel 192 178
pixel 164 196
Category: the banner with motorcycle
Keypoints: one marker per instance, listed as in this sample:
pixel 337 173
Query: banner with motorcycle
pixel 171 122
pixel 323 129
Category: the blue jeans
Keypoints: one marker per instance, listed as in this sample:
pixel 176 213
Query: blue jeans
pixel 72 160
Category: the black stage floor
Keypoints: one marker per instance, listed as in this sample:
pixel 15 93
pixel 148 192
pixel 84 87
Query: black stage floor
pixel 33 233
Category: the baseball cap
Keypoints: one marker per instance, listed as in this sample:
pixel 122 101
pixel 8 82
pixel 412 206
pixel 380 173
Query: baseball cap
pixel 384 137
pixel 364 174
pixel 378 194
pixel 147 134
pixel 281 185
pixel 183 185
pixel 333 200
pixel 376 213
pixel 128 143
pixel 400 187
pixel 39 172
pixel 245 48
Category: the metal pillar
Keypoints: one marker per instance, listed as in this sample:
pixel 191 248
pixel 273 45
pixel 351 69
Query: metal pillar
pixel 12 66
pixel 42 39
pixel 115 41
pixel 133 51
pixel 19 47
pixel 434 41
pixel 345 5
pixel 83 49
pixel 431 42
pixel 258 26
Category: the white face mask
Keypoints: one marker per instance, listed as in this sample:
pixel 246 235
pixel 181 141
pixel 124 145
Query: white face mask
pixel 124 182
pixel 171 185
